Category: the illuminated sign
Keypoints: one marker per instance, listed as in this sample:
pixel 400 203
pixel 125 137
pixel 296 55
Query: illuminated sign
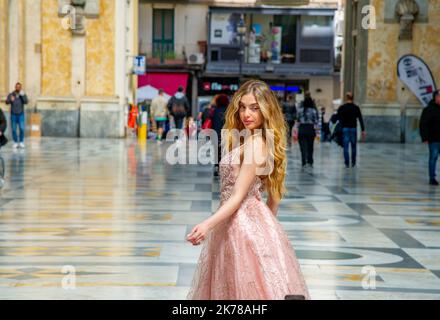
pixel 215 86
pixel 288 88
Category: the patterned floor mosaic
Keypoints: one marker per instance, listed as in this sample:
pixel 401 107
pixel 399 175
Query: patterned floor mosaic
pixel 106 219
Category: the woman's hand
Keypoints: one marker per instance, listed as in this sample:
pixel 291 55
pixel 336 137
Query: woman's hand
pixel 198 233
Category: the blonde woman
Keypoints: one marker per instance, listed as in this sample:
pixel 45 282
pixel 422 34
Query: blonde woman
pixel 246 254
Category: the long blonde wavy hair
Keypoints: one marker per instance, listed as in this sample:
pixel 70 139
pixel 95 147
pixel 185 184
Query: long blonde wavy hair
pixel 273 119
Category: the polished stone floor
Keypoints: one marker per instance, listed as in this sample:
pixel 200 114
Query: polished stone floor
pixel 106 219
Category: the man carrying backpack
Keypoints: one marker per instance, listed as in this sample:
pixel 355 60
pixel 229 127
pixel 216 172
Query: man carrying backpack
pixel 178 107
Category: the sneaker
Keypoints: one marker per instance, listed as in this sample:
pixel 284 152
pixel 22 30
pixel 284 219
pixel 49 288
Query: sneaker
pixel 15 146
pixel 159 142
pixel 433 182
pixel 21 145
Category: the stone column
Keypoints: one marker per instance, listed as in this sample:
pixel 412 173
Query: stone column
pixel 78 66
pixel 16 43
pixel 32 74
pixel 406 11
pixel 4 48
pixel 120 61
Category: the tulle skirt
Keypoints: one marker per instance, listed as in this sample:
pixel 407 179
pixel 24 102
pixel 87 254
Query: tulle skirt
pixel 248 257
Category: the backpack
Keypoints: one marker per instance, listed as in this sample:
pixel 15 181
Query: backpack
pixel 178 108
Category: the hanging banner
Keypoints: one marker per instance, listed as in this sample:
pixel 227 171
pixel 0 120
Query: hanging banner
pixel 414 72
pixel 276 44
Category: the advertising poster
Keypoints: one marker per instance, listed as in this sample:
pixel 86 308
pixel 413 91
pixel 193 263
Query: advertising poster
pixel 417 76
pixel 224 28
pixel 276 44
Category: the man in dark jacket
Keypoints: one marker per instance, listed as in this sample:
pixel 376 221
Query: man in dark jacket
pixel 218 121
pixel 178 107
pixel 348 115
pixel 430 133
pixel 289 111
pixel 17 99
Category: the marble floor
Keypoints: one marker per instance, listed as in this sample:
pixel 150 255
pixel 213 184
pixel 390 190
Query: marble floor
pixel 106 219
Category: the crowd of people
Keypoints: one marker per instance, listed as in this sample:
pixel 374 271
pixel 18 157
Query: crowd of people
pixel 162 111
pixel 303 122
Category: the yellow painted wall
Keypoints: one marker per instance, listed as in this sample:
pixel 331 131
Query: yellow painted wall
pixel 100 68
pixel 382 58
pixel 383 55
pixel 3 47
pixel 56 52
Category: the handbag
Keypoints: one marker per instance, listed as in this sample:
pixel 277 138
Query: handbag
pixel 3 140
pixel 207 124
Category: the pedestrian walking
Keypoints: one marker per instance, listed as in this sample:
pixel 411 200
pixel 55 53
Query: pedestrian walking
pixel 430 134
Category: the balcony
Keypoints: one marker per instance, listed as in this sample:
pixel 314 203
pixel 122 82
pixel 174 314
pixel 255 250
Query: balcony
pixel 267 69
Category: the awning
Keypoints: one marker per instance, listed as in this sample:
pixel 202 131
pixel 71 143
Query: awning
pixel 149 84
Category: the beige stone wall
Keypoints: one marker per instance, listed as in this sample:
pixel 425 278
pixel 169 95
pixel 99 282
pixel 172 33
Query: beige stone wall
pixel 382 58
pixel 56 52
pixel 3 48
pixel 100 46
pixel 426 43
pixel 383 54
pixel 32 50
pixel 189 27
pixel 21 40
pixel 325 97
pixel 188 31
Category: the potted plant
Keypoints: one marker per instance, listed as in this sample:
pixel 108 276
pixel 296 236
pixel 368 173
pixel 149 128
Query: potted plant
pixel 171 58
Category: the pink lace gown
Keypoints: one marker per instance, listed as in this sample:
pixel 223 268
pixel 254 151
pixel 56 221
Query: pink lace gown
pixel 247 257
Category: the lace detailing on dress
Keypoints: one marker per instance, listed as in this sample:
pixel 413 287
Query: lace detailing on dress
pixel 228 173
pixel 248 256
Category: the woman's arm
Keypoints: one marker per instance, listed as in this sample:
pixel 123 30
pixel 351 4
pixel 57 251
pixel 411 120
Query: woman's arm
pixel 246 176
pixel 273 205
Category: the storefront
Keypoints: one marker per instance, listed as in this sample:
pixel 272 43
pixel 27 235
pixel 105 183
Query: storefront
pixel 292 49
pixel 150 83
pixel 211 86
pixel 271 35
pixel 284 88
